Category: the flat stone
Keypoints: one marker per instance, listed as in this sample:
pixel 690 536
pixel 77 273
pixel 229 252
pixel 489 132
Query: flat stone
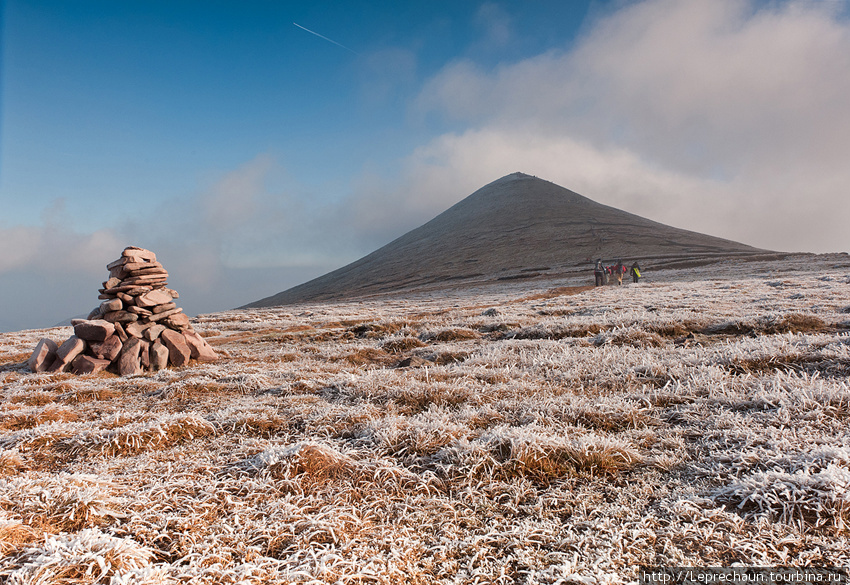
pixel 164 308
pixel 137 328
pixel 139 311
pixel 128 300
pixel 118 273
pixel 161 316
pixel 112 282
pixel 111 305
pixel 120 317
pixel 152 332
pixel 117 263
pixel 85 364
pixel 136 252
pixel 145 281
pixel 174 294
pixel 153 298
pixel 177 321
pixel 66 354
pixel 43 356
pixel 129 362
pixel 199 348
pixel 178 350
pixel 108 349
pixel 96 330
pixel 133 266
pixel 158 355
pixel 131 289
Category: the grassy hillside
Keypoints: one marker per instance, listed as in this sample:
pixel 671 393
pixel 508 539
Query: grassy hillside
pixel 548 433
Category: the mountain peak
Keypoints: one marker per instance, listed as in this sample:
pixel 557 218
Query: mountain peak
pixel 516 226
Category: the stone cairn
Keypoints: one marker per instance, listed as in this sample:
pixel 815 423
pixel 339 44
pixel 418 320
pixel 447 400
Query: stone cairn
pixel 138 326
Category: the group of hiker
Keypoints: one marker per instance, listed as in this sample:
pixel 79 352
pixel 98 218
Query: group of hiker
pixel 618 270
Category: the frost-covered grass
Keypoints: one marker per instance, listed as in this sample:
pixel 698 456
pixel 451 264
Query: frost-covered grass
pixel 543 433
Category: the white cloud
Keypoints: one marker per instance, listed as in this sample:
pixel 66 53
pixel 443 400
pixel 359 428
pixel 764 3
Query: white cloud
pixel 725 116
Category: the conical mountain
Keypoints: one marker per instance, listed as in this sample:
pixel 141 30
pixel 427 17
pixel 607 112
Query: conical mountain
pixel 516 226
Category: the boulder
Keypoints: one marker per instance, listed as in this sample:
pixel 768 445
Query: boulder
pixel 96 330
pixel 128 362
pixel 85 364
pixel 43 356
pixel 107 349
pixel 199 348
pixel 66 353
pixel 158 355
pixel 178 350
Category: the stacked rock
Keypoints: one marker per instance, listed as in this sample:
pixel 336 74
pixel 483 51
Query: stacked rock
pixel 138 326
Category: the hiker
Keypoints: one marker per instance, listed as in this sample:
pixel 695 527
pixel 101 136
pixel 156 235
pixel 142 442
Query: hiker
pixel 635 272
pixel 599 272
pixel 619 271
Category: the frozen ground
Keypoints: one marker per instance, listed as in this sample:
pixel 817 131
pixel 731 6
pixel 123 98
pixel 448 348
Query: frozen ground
pixel 543 433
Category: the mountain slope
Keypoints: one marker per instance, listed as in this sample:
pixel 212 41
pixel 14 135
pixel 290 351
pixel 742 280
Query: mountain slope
pixel 516 225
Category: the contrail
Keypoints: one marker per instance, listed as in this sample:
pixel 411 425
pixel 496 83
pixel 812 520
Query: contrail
pixel 326 38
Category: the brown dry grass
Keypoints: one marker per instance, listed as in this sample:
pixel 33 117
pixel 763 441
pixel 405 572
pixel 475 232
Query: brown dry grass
pixel 575 440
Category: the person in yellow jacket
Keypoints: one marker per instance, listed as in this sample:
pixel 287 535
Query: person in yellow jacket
pixel 635 272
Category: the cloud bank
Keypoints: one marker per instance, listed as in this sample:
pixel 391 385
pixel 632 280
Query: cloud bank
pixel 727 117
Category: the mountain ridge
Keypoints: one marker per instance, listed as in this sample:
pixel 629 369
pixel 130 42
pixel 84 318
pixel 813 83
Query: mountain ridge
pixel 510 227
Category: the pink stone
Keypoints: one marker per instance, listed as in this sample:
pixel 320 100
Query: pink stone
pixel 84 364
pixel 200 349
pixel 178 350
pixel 43 356
pixel 129 361
pixel 152 332
pixel 96 330
pixel 153 298
pixel 66 353
pixel 158 355
pixel 136 252
pixel 178 321
pixel 107 349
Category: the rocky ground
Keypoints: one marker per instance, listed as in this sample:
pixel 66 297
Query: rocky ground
pixel 526 433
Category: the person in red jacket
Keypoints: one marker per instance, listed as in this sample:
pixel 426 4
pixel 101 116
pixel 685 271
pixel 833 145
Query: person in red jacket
pixel 619 271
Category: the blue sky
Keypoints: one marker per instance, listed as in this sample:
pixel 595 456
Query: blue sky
pixel 252 155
